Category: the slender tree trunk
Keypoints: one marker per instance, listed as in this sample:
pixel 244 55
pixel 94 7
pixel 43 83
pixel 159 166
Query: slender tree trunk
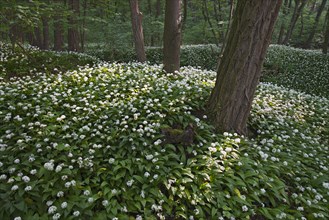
pixel 83 26
pixel 172 36
pixel 37 40
pixel 58 29
pixel 184 13
pixel 326 35
pixel 300 4
pixel 315 25
pixel 226 34
pixel 45 28
pixel 239 72
pixel 136 21
pixel 285 12
pixel 73 30
pixel 157 36
pixel 206 17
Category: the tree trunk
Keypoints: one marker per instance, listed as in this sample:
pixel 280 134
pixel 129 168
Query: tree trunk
pixel 205 12
pixel 326 35
pixel 240 69
pixel 300 4
pixel 73 30
pixel 285 12
pixel 172 36
pixel 83 26
pixel 37 39
pixel 45 28
pixel 315 25
pixel 136 22
pixel 58 30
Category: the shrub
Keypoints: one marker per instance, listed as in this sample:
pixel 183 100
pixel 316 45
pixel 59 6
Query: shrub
pixel 25 61
pixel 203 56
pixel 304 70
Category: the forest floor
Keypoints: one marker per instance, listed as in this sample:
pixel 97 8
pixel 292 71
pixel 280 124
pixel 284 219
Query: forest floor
pixel 89 142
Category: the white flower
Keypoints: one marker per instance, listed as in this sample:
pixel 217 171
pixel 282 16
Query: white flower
pixel 3 177
pixel 52 209
pixel 138 217
pixel 49 166
pixel 64 205
pixel 149 157
pixel 130 183
pixel 28 188
pixel 263 191
pixel 86 192
pixel 147 174
pixel 17 161
pixel 18 218
pixel 26 179
pixel 60 194
pixel 14 188
pixel 76 213
pixel 244 208
pixel 49 203
pixel 90 199
pixel 111 160
pixel 58 168
pixel 105 202
pixel 56 216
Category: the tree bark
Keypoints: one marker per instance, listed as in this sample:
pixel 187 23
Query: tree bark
pixel 45 29
pixel 326 35
pixel 172 36
pixel 136 22
pixel 240 69
pixel 285 12
pixel 299 6
pixel 58 29
pixel 73 29
pixel 315 25
pixel 37 38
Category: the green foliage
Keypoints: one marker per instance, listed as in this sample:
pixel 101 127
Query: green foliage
pixel 203 56
pixel 88 143
pixel 304 70
pixel 19 61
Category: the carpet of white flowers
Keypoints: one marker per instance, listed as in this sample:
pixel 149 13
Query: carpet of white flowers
pixel 87 144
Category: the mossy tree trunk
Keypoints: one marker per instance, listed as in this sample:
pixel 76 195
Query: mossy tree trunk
pixel 136 22
pixel 240 68
pixel 172 36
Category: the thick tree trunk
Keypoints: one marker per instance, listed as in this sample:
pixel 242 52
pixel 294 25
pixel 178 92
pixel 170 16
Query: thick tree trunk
pixel 315 25
pixel 172 36
pixel 300 4
pixel 326 35
pixel 240 68
pixel 73 30
pixel 45 28
pixel 136 22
